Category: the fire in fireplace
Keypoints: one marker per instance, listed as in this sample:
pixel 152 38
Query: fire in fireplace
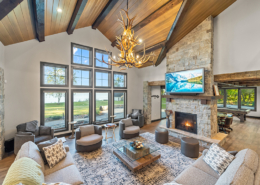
pixel 186 122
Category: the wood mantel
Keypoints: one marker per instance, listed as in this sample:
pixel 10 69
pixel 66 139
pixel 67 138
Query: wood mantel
pixel 157 83
pixel 204 99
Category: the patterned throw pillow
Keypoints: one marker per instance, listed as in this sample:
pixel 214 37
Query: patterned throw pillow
pixel 54 153
pixel 218 159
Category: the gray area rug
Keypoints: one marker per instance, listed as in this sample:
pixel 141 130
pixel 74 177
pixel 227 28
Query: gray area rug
pixel 103 167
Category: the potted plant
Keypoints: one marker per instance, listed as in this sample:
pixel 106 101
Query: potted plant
pixel 168 114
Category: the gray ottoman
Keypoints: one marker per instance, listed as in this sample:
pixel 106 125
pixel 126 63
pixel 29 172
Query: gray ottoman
pixel 161 135
pixel 190 147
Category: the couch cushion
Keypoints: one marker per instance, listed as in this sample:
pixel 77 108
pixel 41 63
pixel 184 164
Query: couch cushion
pixel 195 176
pixel 128 122
pixel 218 159
pixel 45 130
pixel 250 158
pixel 200 164
pixel 87 130
pixel 89 140
pixel 42 138
pixel 131 130
pixel 25 171
pixel 30 150
pixel 54 153
pixel 67 161
pixel 44 144
pixel 236 176
pixel 69 175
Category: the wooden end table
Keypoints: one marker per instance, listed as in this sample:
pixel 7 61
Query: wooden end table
pixel 110 126
pixel 72 128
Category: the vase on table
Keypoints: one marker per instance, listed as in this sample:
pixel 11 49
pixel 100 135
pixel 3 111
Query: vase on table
pixel 168 123
pixel 168 114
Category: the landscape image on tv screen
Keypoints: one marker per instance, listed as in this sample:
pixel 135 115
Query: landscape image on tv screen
pixel 191 81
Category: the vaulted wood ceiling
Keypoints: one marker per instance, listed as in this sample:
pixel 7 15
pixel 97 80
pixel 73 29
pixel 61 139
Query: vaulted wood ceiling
pixel 160 23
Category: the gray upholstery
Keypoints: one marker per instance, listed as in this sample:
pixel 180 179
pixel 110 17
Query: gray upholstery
pixel 31 126
pixel 87 130
pixel 190 147
pixel 128 132
pixel 36 136
pixel 128 122
pixel 89 143
pixel 139 120
pixel 161 135
pixel 45 144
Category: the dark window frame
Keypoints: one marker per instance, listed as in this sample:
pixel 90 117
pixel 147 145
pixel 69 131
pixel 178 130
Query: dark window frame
pixel 95 50
pixel 42 107
pixel 90 103
pixel 42 84
pixel 239 97
pixel 125 104
pixel 90 51
pixel 109 81
pixel 162 87
pixel 90 77
pixel 110 109
pixel 121 73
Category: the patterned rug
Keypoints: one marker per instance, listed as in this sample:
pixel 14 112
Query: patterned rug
pixel 103 167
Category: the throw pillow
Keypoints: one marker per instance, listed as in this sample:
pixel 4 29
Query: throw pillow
pixel 135 114
pixel 87 130
pixel 25 171
pixel 54 153
pixel 218 159
pixel 45 130
pixel 128 122
pixel 31 126
pixel 45 144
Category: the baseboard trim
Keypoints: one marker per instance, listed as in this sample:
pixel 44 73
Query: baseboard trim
pixel 256 117
pixel 158 119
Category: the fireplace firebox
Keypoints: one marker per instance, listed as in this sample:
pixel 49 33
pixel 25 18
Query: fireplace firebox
pixel 186 122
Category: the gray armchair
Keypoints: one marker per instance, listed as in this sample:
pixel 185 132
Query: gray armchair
pixel 127 129
pixel 137 117
pixel 88 138
pixel 42 133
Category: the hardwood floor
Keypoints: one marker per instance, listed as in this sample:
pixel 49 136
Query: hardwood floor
pixel 244 135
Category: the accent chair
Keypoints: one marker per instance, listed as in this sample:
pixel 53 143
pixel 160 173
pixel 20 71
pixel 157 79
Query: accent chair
pixel 137 117
pixel 128 129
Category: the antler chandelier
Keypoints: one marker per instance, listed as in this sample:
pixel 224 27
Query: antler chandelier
pixel 126 43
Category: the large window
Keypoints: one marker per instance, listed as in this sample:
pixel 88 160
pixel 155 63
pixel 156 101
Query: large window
pixel 99 55
pixel 163 103
pixel 120 80
pixel 81 55
pixel 54 108
pixel 81 106
pixel 102 106
pixel 238 98
pixel 54 75
pixel 81 77
pixel 102 79
pixel 120 106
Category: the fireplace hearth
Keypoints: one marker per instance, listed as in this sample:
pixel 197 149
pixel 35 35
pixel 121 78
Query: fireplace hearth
pixel 186 122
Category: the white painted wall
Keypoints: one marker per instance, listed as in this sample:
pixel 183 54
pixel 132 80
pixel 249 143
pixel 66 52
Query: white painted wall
pixel 156 103
pixel 237 40
pixel 22 63
pixel 2 56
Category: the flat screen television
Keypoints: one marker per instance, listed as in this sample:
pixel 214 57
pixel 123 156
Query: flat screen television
pixel 185 82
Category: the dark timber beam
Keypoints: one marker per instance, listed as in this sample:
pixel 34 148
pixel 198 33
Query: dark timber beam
pixel 157 13
pixel 76 15
pixel 7 6
pixel 103 14
pixel 38 7
pixel 152 48
pixel 184 8
pixel 238 77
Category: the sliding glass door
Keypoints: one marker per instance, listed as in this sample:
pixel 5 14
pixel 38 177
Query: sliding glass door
pixel 81 106
pixel 102 106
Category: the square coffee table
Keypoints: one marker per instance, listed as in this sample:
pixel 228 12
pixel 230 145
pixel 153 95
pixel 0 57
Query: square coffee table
pixel 136 159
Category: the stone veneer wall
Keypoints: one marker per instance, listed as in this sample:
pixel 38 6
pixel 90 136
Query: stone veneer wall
pixel 195 51
pixel 147 105
pixel 1 113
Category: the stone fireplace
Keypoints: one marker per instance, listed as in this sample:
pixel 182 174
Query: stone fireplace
pixel 186 122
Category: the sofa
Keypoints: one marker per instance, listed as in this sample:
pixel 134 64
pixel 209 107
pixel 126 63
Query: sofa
pixel 65 171
pixel 137 117
pixel 243 170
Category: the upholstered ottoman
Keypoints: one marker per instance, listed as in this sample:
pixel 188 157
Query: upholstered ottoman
pixel 161 135
pixel 190 147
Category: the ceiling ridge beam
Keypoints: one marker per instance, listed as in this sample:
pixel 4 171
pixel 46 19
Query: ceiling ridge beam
pixel 76 15
pixel 38 7
pixel 157 13
pixel 109 6
pixel 6 6
pixel 181 13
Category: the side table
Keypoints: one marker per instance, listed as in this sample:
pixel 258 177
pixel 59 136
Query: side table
pixel 110 126
pixel 72 128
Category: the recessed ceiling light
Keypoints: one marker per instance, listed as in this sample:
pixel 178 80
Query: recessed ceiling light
pixel 59 9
